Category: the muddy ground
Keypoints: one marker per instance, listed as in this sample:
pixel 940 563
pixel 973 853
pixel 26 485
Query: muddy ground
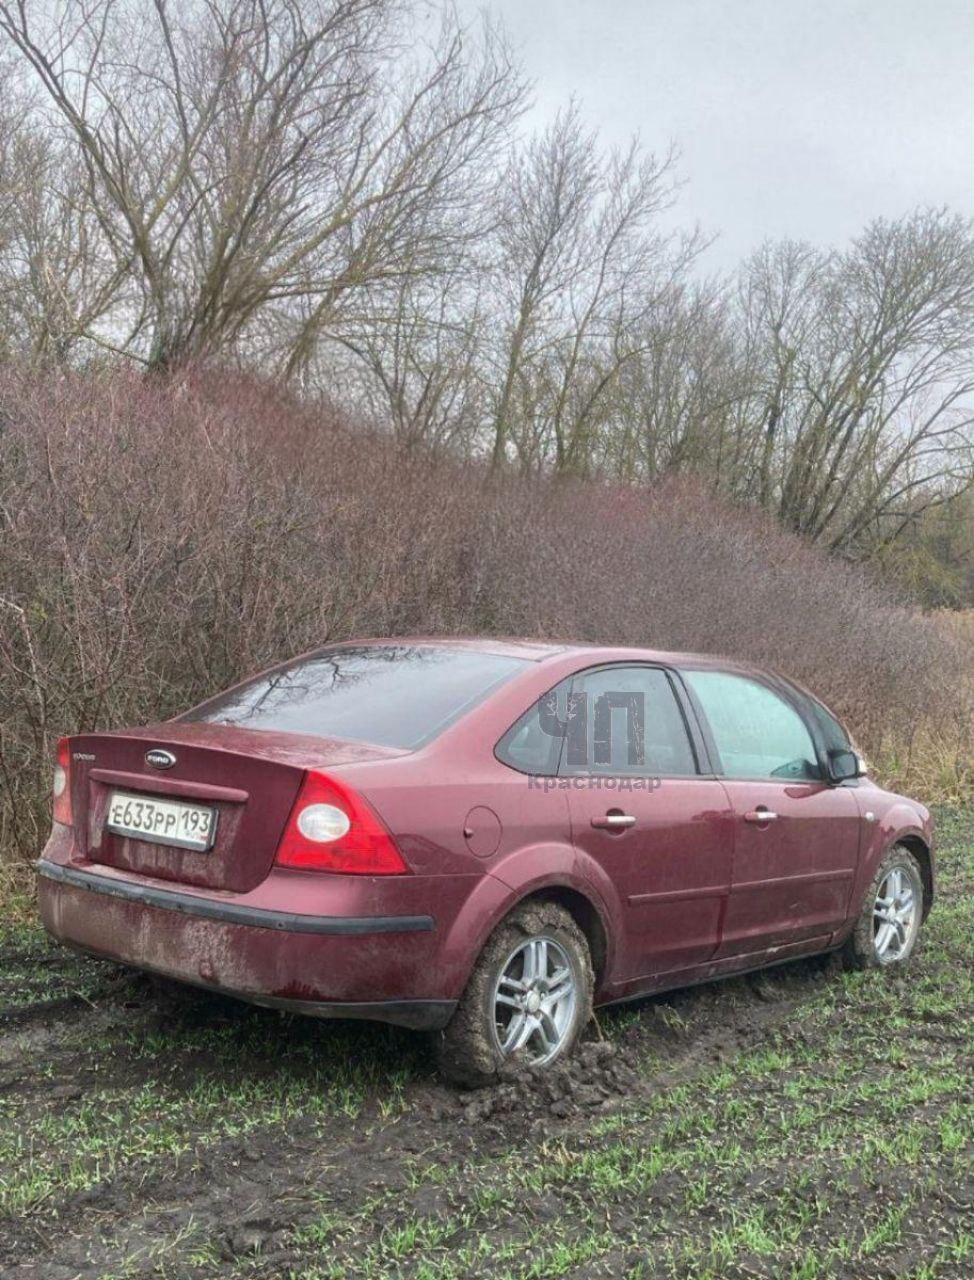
pixel 801 1124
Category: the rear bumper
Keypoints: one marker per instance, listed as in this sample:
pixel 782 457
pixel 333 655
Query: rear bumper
pixel 228 912
pixel 377 967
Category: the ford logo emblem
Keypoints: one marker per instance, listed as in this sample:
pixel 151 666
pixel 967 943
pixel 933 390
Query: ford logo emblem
pixel 160 759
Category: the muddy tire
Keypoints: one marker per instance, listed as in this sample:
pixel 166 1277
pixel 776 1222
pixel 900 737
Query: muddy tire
pixel 528 999
pixel 889 923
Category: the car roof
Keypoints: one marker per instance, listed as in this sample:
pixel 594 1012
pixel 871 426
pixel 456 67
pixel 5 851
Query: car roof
pixel 504 646
pixel 540 650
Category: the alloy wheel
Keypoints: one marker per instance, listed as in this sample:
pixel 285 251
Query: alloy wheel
pixel 534 1001
pixel 895 915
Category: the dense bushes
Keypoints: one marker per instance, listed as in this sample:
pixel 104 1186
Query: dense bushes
pixel 163 536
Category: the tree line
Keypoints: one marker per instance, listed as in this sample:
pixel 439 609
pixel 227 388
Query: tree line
pixel 342 195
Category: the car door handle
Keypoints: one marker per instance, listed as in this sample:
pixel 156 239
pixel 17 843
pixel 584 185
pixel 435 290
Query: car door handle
pixel 614 822
pixel 760 816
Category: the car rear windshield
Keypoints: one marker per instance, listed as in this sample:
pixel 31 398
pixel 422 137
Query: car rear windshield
pixel 391 695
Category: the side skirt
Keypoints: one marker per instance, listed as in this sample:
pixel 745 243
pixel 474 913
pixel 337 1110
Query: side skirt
pixel 732 967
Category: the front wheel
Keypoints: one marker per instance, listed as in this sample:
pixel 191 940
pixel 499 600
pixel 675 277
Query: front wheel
pixel 887 929
pixel 528 998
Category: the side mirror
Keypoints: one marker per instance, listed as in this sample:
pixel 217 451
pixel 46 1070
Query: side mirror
pixel 844 765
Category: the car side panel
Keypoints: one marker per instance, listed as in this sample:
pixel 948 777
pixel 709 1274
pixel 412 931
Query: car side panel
pixel 792 877
pixel 671 869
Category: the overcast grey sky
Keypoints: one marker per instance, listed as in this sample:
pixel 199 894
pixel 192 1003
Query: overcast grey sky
pixel 800 118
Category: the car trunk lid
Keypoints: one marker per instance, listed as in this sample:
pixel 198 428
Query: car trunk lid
pixel 248 778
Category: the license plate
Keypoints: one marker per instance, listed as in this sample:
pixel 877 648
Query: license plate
pixel 187 826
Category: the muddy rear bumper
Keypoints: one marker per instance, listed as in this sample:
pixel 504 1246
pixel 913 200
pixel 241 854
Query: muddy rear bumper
pixel 228 912
pixel 375 967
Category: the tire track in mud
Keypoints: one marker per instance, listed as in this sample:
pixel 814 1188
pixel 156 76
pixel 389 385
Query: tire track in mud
pixel 222 1194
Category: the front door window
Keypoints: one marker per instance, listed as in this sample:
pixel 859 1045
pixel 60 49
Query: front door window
pixel 757 733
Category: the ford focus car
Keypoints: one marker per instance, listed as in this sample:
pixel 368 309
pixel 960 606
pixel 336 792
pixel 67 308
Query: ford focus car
pixel 482 838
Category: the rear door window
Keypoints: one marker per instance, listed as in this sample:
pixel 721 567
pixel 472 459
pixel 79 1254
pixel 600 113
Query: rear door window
pixel 633 725
pixel 533 744
pixel 757 733
pixel 390 695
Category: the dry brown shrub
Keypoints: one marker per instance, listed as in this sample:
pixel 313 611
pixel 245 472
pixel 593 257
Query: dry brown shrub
pixel 162 537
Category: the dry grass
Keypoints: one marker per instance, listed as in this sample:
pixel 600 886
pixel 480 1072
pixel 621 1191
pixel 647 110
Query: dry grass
pixel 937 759
pixel 936 767
pixel 17 893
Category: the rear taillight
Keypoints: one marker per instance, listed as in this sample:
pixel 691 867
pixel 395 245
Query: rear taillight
pixel 62 784
pixel 331 828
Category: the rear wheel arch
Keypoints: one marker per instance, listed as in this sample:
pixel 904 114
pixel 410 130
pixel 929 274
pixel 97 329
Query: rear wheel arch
pixel 586 915
pixel 494 900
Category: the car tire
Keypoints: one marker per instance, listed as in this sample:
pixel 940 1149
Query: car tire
pixel 511 1011
pixel 892 911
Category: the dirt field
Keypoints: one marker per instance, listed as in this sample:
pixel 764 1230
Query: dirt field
pixel 803 1124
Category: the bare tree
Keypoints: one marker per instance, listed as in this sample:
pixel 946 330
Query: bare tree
pixel 678 403
pixel 252 162
pixel 9 182
pixel 863 368
pixel 58 277
pixel 581 263
pixel 416 352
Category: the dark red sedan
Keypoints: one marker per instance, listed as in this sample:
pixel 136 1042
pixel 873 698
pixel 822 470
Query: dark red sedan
pixel 481 837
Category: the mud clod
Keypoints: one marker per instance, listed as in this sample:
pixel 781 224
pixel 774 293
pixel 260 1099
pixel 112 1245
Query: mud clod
pixel 596 1078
